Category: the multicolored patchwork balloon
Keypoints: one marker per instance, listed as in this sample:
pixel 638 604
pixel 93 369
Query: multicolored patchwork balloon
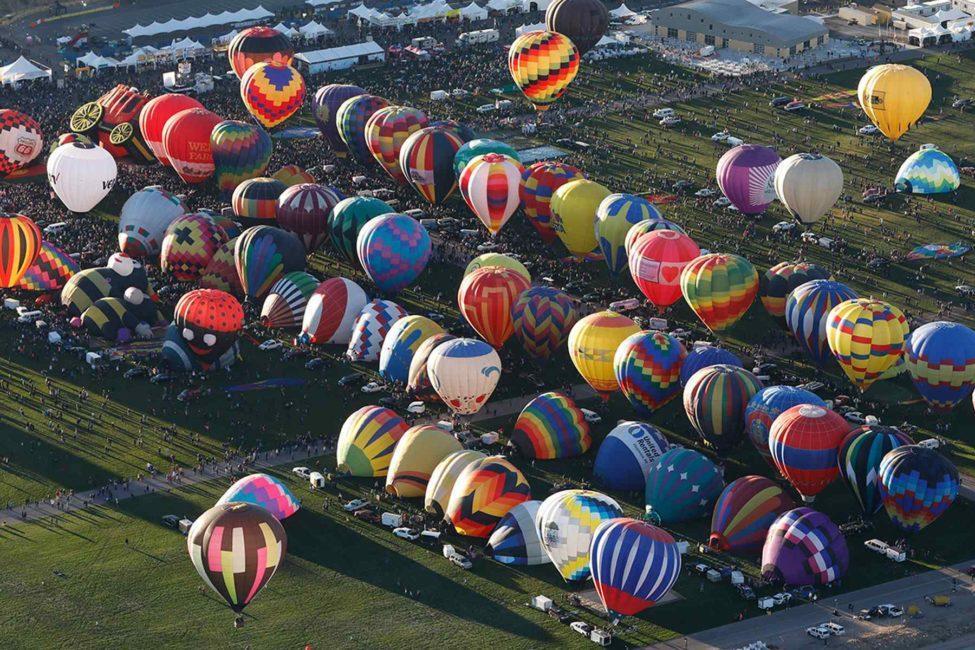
pixel 370 329
pixel 20 244
pixel 720 288
pixel 272 92
pixel 262 255
pixel 347 219
pixel 325 108
pixel 866 337
pixel 566 523
pixel 917 485
pixel 941 359
pixel 240 151
pixel 255 201
pixel 859 458
pixel 265 491
pixel 778 283
pixel 51 269
pixel 350 122
pixel 189 244
pixel 483 494
pixel 543 317
pixel 394 250
pixel 543 64
pixel 804 547
pixel 647 367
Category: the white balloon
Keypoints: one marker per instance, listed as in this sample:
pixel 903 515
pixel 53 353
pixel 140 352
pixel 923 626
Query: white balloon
pixel 566 522
pixel 81 175
pixel 808 185
pixel 144 219
pixel 464 372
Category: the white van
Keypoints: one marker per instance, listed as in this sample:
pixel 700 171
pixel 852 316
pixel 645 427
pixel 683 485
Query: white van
pixel 486 108
pixel 29 316
pixel 55 228
pixel 439 95
pixel 446 425
pixel 591 416
pixel 316 480
pixel 625 305
pixel 416 408
pixel 392 519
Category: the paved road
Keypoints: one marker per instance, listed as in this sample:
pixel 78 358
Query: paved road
pixel 786 628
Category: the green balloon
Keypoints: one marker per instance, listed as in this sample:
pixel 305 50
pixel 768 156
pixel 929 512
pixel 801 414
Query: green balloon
pixel 347 219
pixel 479 147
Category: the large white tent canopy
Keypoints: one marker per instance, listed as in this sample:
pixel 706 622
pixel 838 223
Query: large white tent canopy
pixel 200 22
pixel 23 70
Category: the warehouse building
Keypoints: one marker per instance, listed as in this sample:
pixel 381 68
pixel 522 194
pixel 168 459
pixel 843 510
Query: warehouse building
pixel 340 58
pixel 739 25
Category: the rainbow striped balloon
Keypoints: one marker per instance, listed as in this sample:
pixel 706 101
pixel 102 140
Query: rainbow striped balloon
pixel 551 426
pixel 543 317
pixel 538 184
pixel 490 187
pixel 240 151
pixel 543 64
pixel 720 288
pixel 484 493
pixel 386 131
pixel 743 513
pixel 272 92
pixel 647 367
pixel 867 338
pixel 367 440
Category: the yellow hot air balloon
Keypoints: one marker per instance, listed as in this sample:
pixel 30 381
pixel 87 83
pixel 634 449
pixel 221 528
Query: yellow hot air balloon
pixel 498 259
pixel 574 207
pixel 417 454
pixel 894 97
pixel 543 64
pixel 592 346
pixel 867 338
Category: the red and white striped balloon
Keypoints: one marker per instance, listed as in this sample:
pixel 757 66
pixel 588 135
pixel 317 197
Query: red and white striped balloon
pixel 490 184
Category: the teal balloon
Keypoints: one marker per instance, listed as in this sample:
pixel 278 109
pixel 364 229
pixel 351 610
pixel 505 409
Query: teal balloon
pixel 347 219
pixel 479 147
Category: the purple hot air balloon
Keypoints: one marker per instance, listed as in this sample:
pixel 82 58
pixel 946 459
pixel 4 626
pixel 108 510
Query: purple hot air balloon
pixel 324 107
pixel 804 547
pixel 745 176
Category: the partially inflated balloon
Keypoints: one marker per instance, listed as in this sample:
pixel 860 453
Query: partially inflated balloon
pixel 566 523
pixel 426 160
pixel 543 64
pixel 486 299
pixel 236 548
pixel 155 114
pixel 471 150
pixel 186 138
pixel 647 367
pixel 265 491
pixel 304 210
pixel 859 458
pixel 927 171
pixel 484 493
pixel 209 322
pixel 543 317
pixel 325 107
pixel 240 151
pixel 444 476
pixel 551 426
pixel 627 454
pixel 715 399
pixel 292 175
pixel 656 261
pixel 574 207
pixel 489 185
pixel 808 184
pixel 415 457
pixel 263 254
pixel 331 311
pixel 746 176
pixel 682 485
pixel 386 131
pixel 394 250
pixel 284 305
pixel 515 539
pixel 777 284
pixel 768 404
pixel 144 218
pixel 617 213
pixel 941 359
pixel 257 45
pixel 464 372
pixel 189 244
pixel 807 315
pixel 894 97
pixel 804 547
pixel 804 441
pixel 221 271
pixel 255 201
pixel 20 244
pixel 743 513
pixel 705 356
pixel 592 345
pixel 370 329
pixel 400 345
pixel 347 218
pixel 538 185
pixel 418 384
pixel 719 288
pixel 81 175
pixel 367 440
pixel 272 92
pixel 50 271
pixel 646 227
pixel 583 21
pixel 917 486
pixel 350 122
pixel 866 337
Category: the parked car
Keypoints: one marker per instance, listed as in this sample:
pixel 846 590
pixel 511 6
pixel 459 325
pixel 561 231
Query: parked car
pixel 581 627
pixel 406 533
pixel 721 202
pixel 796 105
pixel 591 416
pixel 720 136
pixel 355 504
pixel 834 628
pixel 270 344
pixel 487 246
pixel 161 378
pixel 132 373
pixel 349 380
pixel 855 417
pixel 705 192
pixel 371 387
pixel 314 364
pixel 784 226
pixel 460 561
pixel 170 521
pixel 366 515
pixel 780 101
pixel 818 632
pixel 661 113
pixel 746 592
pixel 301 472
pixel 782 598
pixel 670 121
pixel 869 129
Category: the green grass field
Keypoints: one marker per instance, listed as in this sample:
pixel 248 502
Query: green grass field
pixel 345 582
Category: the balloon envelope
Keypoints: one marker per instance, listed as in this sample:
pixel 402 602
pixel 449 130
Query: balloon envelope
pixel 331 312
pixel 746 175
pixel 583 21
pixel 272 92
pixel 325 106
pixel 917 486
pixel 894 97
pixel 706 356
pixel 551 426
pixel 941 359
pixel 257 45
pixel 927 171
pixel 263 254
pixel 682 485
pixel 240 151
pixel 490 185
pixel 400 345
pixel 486 299
pixel 656 261
pixel 593 342
pixel 464 372
pixel 515 539
pixel 350 122
pixel 807 315
pixel 386 131
pixel 574 207
pixel 566 523
pixel 804 441
pixel 743 513
pixel 538 185
pixel 543 64
pixel 415 457
pixel 778 283
pixel 615 216
pixel 543 317
pixel 367 440
pixel 444 476
pixel 20 244
pixel 154 115
pixel 20 140
pixel 144 218
pixel 866 337
pixel 209 322
pixel 719 288
pixel 265 491
pixel 426 161
pixel 715 399
pixel 808 185
pixel 347 218
pixel 484 493
pixel 186 138
pixel 478 147
pixel 394 250
pixel 768 404
pixel 804 547
pixel 859 458
pixel 81 175
pixel 625 456
pixel 304 210
pixel 189 245
pixel 284 305
pixel 647 366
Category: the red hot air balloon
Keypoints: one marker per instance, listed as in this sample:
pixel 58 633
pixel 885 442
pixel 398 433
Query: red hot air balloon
pixel 304 210
pixel 804 441
pixel 20 243
pixel 186 138
pixel 257 45
pixel 487 298
pixel 656 261
pixel 154 116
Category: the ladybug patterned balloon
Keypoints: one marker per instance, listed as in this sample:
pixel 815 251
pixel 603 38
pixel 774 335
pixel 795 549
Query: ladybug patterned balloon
pixel 209 321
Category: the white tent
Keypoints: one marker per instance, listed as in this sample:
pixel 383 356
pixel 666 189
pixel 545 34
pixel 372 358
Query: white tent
pixel 529 28
pixel 322 3
pixel 622 12
pixel 290 32
pixel 606 41
pixel 362 12
pixel 200 22
pixel 473 12
pixel 226 38
pixel 186 47
pixel 503 5
pixel 314 30
pixel 23 70
pixel 92 60
pixel 140 56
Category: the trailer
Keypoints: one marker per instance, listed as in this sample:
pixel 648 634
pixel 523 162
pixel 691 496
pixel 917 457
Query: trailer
pixel 479 37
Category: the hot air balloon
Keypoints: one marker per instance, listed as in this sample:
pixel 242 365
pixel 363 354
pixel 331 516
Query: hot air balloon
pixel 400 345
pixel 746 176
pixel 426 160
pixel 370 329
pixel 646 227
pixel 626 455
pixel 538 184
pixel 592 345
pixel 366 441
pixel 574 207
pixel 743 513
pixel 418 384
pixel 144 219
pixel 272 92
pixel 777 284
pixel 647 367
pixel 804 547
pixel 117 320
pixel 682 485
pixel 347 218
pixel 720 288
pixel 236 548
pixel 325 107
pixel 927 171
pixel 255 201
pixel 543 64
pixel 417 454
pixel 804 441
pixel 917 486
pixel 484 493
pixel 941 359
pixel 262 255
pixel 284 306
pixel 583 21
pixel 186 138
pixel 304 210
pixel 634 564
pixel 715 399
pixel 894 97
pixel 490 186
pixel 121 274
pixel 81 175
pixel 257 45
pixel 807 315
pixel 515 539
pixel 768 404
pixel 240 151
pixel 859 458
pixel 331 312
pixel 478 147
pixel 20 140
pixel 221 271
pixel 808 185
pixel 292 175
pixel 51 269
pixel 464 372
pixel 386 131
pixel 444 476
pixel 706 356
pixel 155 114
pixel 350 122
pixel 189 244
pixel 551 426
pixel 487 298
pixel 543 317
pixel 209 322
pixel 566 523
pixel 497 259
pixel 616 214
pixel 394 250
pixel 20 244
pixel 656 261
pixel 462 131
pixel 265 491
pixel 867 338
